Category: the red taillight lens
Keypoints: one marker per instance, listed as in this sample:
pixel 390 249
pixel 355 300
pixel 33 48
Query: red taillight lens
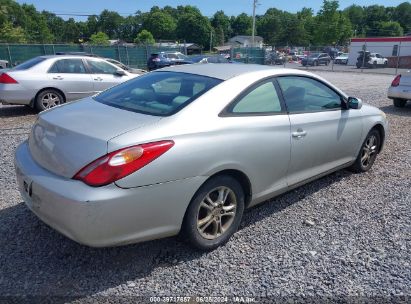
pixel 6 79
pixel 120 163
pixel 396 81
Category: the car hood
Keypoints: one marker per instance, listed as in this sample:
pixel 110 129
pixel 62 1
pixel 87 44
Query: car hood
pixel 65 139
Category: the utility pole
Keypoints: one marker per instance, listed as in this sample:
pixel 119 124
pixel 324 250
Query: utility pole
pixel 253 30
pixel 211 40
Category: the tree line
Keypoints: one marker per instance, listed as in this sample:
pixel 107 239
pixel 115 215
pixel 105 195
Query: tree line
pixel 329 26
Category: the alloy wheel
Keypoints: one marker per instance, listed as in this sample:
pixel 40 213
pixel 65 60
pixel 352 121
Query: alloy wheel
pixel 50 100
pixel 369 151
pixel 216 212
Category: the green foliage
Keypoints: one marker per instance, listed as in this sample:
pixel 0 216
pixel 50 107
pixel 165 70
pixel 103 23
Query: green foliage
pixel 99 39
pixel 8 33
pixel 23 23
pixel 144 37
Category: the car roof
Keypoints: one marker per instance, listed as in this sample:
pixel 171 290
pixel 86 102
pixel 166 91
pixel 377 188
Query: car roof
pixel 226 71
pixel 70 57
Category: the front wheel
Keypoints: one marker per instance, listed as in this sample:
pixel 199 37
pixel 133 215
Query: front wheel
pixel 48 99
pixel 399 103
pixel 368 152
pixel 214 213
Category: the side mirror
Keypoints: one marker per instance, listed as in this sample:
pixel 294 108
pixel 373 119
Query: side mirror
pixel 354 103
pixel 120 73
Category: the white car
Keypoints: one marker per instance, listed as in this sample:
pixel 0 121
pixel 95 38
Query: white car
pixel 341 59
pixel 47 81
pixel 400 89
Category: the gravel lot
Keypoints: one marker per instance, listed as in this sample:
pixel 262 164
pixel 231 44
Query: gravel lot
pixel 345 235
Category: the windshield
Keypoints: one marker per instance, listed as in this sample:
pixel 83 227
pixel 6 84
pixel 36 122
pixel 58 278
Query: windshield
pixel 157 93
pixel 28 64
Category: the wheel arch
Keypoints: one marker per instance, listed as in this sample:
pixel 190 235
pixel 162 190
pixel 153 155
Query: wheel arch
pixel 44 89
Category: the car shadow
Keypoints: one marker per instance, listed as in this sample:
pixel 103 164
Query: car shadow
pixel 405 111
pixel 16 111
pixel 35 259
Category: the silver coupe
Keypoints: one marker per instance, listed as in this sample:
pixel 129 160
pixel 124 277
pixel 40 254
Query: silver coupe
pixel 186 149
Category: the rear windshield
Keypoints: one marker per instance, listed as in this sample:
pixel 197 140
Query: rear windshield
pixel 28 64
pixel 157 93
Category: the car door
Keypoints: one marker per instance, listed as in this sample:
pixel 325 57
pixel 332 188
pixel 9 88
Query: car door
pixel 104 74
pixel 323 135
pixel 71 77
pixel 265 125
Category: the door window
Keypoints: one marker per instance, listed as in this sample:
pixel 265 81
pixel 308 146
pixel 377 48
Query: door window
pixel 68 66
pixel 304 94
pixel 101 67
pixel 262 99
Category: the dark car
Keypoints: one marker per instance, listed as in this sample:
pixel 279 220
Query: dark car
pixel 274 59
pixel 165 59
pixel 316 59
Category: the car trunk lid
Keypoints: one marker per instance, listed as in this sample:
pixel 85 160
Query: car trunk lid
pixel 67 138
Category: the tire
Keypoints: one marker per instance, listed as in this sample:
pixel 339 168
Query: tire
pixel 316 63
pixel 368 152
pixel 205 219
pixel 326 63
pixel 399 103
pixel 48 99
pixel 374 65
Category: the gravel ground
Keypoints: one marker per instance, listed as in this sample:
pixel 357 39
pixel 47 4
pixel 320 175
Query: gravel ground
pixel 344 237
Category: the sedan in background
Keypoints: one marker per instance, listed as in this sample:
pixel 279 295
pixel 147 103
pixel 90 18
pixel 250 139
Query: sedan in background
pixel 47 81
pixel 126 67
pixel 186 149
pixel 316 59
pixel 341 59
pixel 210 59
pixel 400 89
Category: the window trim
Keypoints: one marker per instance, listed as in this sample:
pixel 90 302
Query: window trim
pixel 342 98
pixel 227 111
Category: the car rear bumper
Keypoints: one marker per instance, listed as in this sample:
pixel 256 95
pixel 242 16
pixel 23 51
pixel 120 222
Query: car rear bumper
pixel 401 92
pixel 15 94
pixel 104 216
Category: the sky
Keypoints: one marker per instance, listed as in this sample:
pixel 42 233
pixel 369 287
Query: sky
pixel 207 7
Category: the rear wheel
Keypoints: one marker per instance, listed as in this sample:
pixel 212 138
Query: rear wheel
pixel 399 103
pixel 316 63
pixel 214 214
pixel 48 99
pixel 368 152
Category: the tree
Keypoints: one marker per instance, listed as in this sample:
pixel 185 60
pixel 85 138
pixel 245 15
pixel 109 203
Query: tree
pixel 71 31
pixel 390 28
pixel 160 24
pixel 241 25
pixel 144 37
pixel 194 27
pixel 222 26
pixel 11 34
pixel 99 39
pixel 356 15
pixel 109 23
pixel 269 27
pixel 402 15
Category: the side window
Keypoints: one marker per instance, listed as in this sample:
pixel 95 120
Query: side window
pixel 304 94
pixel 262 99
pixel 101 67
pixel 68 66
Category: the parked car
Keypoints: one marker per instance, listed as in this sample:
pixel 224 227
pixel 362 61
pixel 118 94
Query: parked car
pixel 177 57
pixel 126 67
pixel 165 59
pixel 47 81
pixel 186 149
pixel 342 59
pixel 209 59
pixel 370 60
pixel 274 59
pixel 4 64
pixel 400 89
pixel 316 59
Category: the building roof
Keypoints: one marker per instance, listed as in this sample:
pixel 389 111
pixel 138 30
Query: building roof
pixel 382 39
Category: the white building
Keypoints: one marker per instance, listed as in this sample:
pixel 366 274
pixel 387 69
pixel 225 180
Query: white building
pixel 386 46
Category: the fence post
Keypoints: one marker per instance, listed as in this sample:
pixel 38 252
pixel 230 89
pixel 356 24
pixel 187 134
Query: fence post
pixel 8 50
pixel 118 53
pixel 364 48
pixel 54 50
pixel 398 59
pixel 91 49
pixel 128 58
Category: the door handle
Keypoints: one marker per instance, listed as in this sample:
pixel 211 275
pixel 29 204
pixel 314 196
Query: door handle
pixel 300 133
pixel 58 78
pixel 98 79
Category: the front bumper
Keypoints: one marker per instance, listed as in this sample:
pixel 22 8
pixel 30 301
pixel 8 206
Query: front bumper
pixel 103 216
pixel 401 92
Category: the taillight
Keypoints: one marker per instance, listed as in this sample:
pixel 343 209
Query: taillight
pixel 7 79
pixel 120 163
pixel 396 81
